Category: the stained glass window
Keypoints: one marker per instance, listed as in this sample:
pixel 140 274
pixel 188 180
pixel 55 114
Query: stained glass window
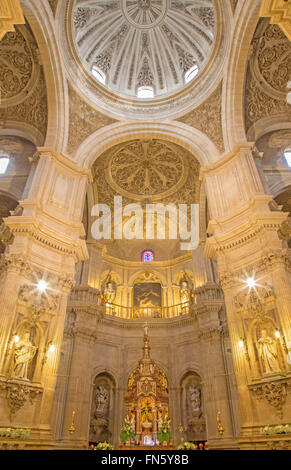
pixel 147 256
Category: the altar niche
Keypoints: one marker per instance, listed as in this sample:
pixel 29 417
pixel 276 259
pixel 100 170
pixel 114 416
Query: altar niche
pixel 147 399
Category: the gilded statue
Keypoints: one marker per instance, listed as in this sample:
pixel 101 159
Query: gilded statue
pixel 185 292
pixel 109 293
pixel 268 352
pixel 24 352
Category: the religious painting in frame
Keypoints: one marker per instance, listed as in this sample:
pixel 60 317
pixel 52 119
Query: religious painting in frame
pixel 147 300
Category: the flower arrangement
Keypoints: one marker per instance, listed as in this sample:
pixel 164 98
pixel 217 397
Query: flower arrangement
pixel 15 433
pixel 277 429
pixel 126 431
pixel 103 446
pixel 187 446
pixel 165 433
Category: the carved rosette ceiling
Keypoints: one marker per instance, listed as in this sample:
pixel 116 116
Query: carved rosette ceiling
pixel 144 42
pixel 207 118
pixel 22 82
pixel 147 171
pixel 267 75
pixel 84 121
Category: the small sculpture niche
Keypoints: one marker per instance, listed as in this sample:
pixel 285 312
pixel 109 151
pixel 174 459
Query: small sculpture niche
pixel 268 350
pixel 23 355
pixel 102 407
pixel 185 293
pixel 192 408
pixel 109 294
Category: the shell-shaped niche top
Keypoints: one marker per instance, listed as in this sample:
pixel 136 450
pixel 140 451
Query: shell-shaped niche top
pixel 151 45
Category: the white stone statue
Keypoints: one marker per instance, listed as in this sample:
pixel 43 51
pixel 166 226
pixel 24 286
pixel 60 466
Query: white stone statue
pixel 268 352
pixel 101 400
pixel 194 398
pixel 24 352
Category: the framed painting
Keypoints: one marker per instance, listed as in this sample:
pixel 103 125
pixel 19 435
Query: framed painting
pixel 147 300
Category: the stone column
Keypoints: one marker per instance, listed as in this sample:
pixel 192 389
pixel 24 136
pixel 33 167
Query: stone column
pixel 46 247
pixel 254 271
pixel 215 371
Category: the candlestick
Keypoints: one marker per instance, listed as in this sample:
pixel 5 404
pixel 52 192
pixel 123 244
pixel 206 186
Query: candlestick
pixel 72 428
pixel 220 428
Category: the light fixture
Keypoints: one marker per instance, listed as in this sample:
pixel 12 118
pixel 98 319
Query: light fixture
pixel 277 334
pixel 4 162
pixel 42 285
pixel 52 348
pixel 16 339
pixel 251 282
pixel 145 92
pixel 191 73
pixel 287 155
pixel 241 343
pixel 98 74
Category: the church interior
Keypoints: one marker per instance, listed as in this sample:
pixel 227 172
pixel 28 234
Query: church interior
pixel 113 332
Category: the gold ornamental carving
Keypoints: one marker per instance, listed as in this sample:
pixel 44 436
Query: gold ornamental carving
pixel 207 118
pixel 147 169
pixel 18 394
pixel 274 393
pixel 267 74
pixel 10 14
pixel 84 121
pixel 22 81
pixel 279 12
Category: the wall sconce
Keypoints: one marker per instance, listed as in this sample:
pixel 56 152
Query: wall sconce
pixel 16 339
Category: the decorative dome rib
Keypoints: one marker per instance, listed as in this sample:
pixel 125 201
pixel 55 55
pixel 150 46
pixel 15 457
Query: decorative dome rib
pixel 144 42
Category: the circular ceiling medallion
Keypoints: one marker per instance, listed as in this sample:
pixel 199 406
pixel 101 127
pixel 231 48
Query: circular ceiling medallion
pixel 146 168
pixel 143 14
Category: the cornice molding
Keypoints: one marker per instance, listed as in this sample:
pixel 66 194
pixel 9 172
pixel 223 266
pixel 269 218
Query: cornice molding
pixel 227 158
pixel 65 162
pixel 48 237
pixel 244 233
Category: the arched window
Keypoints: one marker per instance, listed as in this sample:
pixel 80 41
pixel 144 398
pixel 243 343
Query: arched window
pixel 191 73
pixel 147 256
pixel 145 92
pixel 4 162
pixel 98 74
pixel 287 155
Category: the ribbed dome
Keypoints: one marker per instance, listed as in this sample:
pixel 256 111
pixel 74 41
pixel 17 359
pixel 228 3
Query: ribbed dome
pixel 141 43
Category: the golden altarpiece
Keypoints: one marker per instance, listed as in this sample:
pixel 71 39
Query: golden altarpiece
pixel 147 398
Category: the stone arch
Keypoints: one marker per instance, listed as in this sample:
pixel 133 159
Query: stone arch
pixel 38 15
pixel 233 87
pixel 187 137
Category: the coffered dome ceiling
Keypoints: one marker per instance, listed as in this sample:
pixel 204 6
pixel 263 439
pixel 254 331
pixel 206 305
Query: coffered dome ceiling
pixel 144 42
